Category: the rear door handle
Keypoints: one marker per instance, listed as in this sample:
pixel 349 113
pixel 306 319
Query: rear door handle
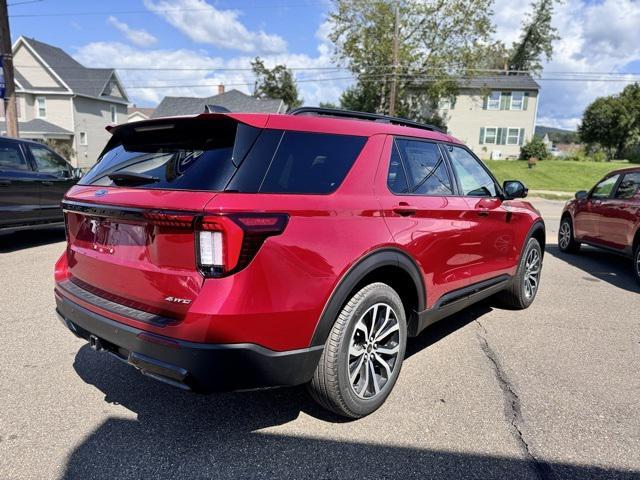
pixel 47 183
pixel 483 213
pixel 5 183
pixel 405 210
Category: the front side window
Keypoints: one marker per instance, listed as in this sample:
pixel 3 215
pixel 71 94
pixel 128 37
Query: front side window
pixel 11 157
pixel 49 162
pixel 490 135
pixel 41 107
pixel 605 187
pixel 513 136
pixel 424 166
pixel 474 179
pixel 493 102
pixel 629 186
pixel 517 100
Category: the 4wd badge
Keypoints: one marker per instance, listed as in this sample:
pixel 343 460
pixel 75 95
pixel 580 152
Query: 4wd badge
pixel 183 301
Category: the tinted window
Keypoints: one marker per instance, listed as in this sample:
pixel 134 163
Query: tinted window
pixel 49 162
pixel 426 171
pixel 605 187
pixel 474 179
pixel 11 157
pixel 311 162
pixel 629 186
pixel 397 179
pixel 187 155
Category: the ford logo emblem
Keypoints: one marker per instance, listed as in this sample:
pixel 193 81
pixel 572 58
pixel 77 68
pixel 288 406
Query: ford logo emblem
pixel 100 193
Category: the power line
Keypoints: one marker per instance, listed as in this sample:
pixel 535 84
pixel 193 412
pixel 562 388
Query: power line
pixel 23 3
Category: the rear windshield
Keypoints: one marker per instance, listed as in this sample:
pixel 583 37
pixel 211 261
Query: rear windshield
pixel 224 155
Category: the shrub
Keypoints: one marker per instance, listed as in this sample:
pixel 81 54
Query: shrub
pixel 632 153
pixel 534 148
pixel 582 156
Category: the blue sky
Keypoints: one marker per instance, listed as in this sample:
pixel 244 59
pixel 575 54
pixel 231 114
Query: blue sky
pixel 597 36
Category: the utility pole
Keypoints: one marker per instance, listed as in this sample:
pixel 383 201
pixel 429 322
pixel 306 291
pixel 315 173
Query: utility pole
pixel 10 110
pixel 394 78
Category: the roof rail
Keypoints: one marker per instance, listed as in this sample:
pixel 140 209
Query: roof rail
pixel 375 117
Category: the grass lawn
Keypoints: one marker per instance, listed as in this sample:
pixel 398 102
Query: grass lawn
pixel 554 174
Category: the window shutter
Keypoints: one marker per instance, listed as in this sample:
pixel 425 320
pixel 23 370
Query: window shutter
pixel 505 101
pixel 485 101
pixel 525 100
pixel 453 101
pixel 521 138
pixel 481 141
pixel 501 140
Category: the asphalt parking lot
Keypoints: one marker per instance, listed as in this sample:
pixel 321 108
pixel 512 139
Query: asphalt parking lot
pixel 552 392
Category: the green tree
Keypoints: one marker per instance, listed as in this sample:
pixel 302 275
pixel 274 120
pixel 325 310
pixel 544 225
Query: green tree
pixel 534 148
pixel 438 41
pixel 536 38
pixel 612 122
pixel 277 82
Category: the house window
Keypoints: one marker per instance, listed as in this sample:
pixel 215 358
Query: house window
pixel 490 135
pixel 517 100
pixel 493 102
pixel 83 138
pixel 513 136
pixel 41 107
pixel 114 114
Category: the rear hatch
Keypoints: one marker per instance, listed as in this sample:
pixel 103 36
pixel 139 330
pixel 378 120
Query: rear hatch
pixel 132 220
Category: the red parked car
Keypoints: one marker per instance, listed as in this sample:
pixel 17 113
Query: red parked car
pixel 607 216
pixel 242 251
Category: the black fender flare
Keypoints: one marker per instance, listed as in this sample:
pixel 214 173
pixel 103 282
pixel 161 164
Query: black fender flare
pixel 367 264
pixel 537 226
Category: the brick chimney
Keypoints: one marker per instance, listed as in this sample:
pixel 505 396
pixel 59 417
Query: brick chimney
pixel 220 89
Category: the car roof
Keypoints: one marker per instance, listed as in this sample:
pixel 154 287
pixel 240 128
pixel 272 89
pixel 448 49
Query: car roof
pixel 309 123
pixel 623 170
pixel 22 140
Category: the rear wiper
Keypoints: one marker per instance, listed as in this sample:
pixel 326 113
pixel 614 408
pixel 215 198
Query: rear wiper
pixel 122 179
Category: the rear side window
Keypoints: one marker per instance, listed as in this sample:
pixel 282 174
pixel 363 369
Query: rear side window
pixel 424 167
pixel 311 162
pixel 629 186
pixel 224 155
pixel 11 157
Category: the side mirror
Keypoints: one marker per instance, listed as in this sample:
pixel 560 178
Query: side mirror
pixel 76 173
pixel 581 195
pixel 514 189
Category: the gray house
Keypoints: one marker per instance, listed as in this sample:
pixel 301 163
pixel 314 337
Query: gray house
pixel 59 98
pixel 233 100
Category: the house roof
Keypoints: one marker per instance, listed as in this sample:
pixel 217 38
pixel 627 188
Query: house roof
pixel 80 79
pixel 233 100
pixel 37 125
pixel 507 82
pixel 146 111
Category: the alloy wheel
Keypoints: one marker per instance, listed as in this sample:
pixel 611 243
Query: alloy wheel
pixel 531 273
pixel 565 235
pixel 373 350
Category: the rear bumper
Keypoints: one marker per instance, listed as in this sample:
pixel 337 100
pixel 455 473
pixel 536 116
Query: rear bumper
pixel 193 366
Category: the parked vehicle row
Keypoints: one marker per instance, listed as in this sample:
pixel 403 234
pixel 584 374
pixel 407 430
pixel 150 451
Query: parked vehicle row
pixel 238 251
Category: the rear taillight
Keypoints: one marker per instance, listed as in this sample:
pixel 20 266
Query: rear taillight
pixel 227 243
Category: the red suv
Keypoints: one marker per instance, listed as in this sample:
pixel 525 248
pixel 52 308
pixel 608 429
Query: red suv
pixel 243 251
pixel 608 216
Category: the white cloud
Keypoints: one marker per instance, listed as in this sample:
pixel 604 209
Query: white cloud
pixel 323 87
pixel 204 23
pixel 141 38
pixel 595 37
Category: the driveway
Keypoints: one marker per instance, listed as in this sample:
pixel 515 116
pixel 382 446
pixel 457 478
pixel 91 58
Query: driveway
pixel 552 392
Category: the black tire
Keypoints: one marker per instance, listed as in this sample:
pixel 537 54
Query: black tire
pixel 636 261
pixel 517 296
pixel 566 240
pixel 331 385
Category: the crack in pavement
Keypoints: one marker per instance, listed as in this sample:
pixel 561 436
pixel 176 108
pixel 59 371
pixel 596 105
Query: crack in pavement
pixel 512 406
